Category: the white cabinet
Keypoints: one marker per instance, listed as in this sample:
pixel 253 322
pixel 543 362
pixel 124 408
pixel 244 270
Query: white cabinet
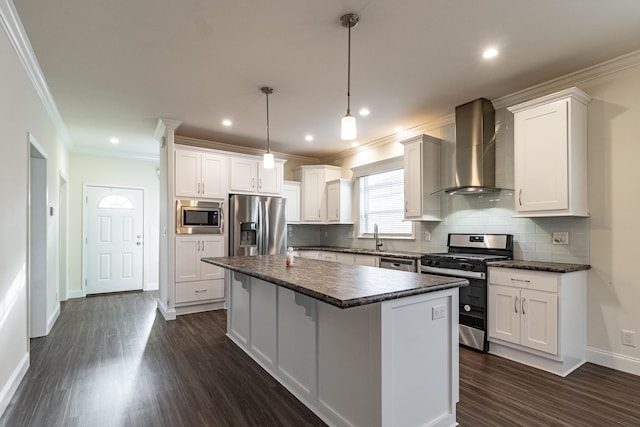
pixel 248 175
pixel 346 258
pixel 309 254
pixel 538 318
pixel 196 280
pixel 421 178
pixel 314 198
pixel 201 175
pixel 550 148
pixel 291 192
pixel 328 256
pixel 340 201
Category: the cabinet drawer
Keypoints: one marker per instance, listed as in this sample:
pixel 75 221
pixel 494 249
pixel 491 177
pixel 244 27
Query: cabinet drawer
pixel 525 279
pixel 199 291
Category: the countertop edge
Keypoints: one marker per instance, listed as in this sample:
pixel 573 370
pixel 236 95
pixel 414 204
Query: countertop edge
pixel 359 251
pixel 551 267
pixel 354 302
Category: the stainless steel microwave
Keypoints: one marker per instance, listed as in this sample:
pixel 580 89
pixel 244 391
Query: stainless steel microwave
pixel 199 217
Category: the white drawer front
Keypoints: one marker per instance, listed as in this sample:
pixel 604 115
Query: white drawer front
pixel 525 279
pixel 199 291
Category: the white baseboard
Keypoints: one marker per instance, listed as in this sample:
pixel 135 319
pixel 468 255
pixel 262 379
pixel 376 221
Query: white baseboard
pixel 611 360
pixel 76 293
pixel 167 313
pixel 12 384
pixel 151 286
pixel 52 319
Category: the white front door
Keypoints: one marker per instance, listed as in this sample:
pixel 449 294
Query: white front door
pixel 114 239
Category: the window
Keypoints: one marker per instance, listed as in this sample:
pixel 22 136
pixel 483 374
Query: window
pixel 382 202
pixel 115 201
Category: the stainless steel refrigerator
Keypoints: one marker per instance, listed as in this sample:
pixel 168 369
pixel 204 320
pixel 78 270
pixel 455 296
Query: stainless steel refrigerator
pixel 257 225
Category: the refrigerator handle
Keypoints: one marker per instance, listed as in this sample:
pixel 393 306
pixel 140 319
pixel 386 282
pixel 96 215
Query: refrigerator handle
pixel 265 227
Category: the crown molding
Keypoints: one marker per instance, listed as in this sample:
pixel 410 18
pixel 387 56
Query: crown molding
pixel 20 41
pixel 203 143
pixel 116 154
pixel 162 126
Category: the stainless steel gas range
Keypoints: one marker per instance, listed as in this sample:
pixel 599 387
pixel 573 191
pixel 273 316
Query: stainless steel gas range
pixel 467 257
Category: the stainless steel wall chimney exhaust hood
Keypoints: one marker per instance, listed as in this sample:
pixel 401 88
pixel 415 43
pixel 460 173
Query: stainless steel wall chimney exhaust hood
pixel 475 148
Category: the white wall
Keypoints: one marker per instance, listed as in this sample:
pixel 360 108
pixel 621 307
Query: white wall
pixel 87 169
pixel 22 111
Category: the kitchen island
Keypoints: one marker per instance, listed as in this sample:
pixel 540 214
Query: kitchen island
pixel 359 346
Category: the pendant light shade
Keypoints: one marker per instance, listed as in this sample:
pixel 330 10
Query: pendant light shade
pixel 348 125
pixel 267 161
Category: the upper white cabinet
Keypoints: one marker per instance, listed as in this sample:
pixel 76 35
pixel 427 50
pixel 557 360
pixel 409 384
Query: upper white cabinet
pixel 538 318
pixel 421 178
pixel 314 197
pixel 291 192
pixel 248 175
pixel 201 175
pixel 550 137
pixel 340 201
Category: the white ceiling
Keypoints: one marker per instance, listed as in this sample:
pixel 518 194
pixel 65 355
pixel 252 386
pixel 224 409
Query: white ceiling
pixel 115 67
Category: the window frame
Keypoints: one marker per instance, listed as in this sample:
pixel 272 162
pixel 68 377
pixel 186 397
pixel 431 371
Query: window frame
pixel 382 166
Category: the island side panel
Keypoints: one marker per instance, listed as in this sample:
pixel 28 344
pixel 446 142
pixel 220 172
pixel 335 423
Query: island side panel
pixel 419 344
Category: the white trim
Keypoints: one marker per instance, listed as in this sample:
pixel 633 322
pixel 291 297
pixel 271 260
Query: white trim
pixel 77 293
pixel 378 167
pixel 33 141
pixel 52 319
pixel 151 286
pixel 12 384
pixel 612 360
pixel 20 41
pixel 201 143
pixel 168 314
pixel 162 126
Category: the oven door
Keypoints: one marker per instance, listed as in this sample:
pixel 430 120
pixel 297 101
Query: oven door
pixel 472 306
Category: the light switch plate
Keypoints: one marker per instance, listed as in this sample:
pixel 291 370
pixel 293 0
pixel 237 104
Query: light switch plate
pixel 438 312
pixel 560 237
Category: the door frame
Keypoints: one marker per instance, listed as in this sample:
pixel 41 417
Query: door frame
pixel 63 236
pixel 84 231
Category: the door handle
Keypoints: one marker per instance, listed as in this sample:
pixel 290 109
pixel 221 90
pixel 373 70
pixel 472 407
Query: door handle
pixel 138 243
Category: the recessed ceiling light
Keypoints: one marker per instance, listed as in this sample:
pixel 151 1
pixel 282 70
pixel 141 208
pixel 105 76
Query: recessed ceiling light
pixel 308 138
pixel 490 53
pixel 354 144
pixel 398 129
pixel 364 112
pixel 114 140
pixel 227 122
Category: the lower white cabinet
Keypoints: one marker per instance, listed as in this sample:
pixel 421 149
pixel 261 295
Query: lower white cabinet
pixel 195 280
pixel 347 258
pixel 327 256
pixel 538 318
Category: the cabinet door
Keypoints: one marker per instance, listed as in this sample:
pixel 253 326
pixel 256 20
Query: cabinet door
pixel 370 260
pixel 333 201
pixel 541 158
pixel 539 324
pixel 291 192
pixel 312 195
pixel 413 180
pixel 504 313
pixel 215 172
pixel 211 246
pixel 270 180
pixel 243 174
pixel 345 258
pixel 188 258
pixel 188 173
pixel 327 256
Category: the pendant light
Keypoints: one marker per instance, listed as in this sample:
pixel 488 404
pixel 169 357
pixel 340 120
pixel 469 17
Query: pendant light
pixel 267 161
pixel 348 124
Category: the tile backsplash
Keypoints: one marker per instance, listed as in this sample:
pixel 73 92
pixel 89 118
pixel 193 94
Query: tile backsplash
pixel 489 213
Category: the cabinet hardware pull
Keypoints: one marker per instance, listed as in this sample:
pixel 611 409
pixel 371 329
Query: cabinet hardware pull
pixel 318 213
pixel 520 197
pixel 405 206
pixel 198 192
pixel 202 246
pixel 198 243
pixel 199 291
pixel 522 305
pixel 337 214
pixel 260 184
pixel 520 280
pixel 203 188
pixel 253 182
pixel 515 304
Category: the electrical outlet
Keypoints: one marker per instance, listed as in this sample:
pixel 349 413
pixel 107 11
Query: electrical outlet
pixel 628 338
pixel 438 312
pixel 351 235
pixel 427 236
pixel 560 237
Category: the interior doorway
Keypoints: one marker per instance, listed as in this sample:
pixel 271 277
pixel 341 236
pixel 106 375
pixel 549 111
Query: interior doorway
pixel 37 240
pixel 114 239
pixel 62 237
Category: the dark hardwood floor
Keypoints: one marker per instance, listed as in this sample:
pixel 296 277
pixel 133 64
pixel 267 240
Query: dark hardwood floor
pixel 112 361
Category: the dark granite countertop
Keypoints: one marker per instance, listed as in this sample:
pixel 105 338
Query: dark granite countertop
pixel 358 251
pixel 553 267
pixel 341 285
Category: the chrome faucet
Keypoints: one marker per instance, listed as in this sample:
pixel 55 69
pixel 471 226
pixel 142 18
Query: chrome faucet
pixel 377 237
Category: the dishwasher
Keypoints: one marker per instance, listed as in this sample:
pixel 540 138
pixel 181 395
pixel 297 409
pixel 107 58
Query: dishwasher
pixel 402 264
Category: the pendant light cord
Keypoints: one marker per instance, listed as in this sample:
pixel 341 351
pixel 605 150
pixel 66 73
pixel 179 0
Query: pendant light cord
pixel 268 144
pixel 349 73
